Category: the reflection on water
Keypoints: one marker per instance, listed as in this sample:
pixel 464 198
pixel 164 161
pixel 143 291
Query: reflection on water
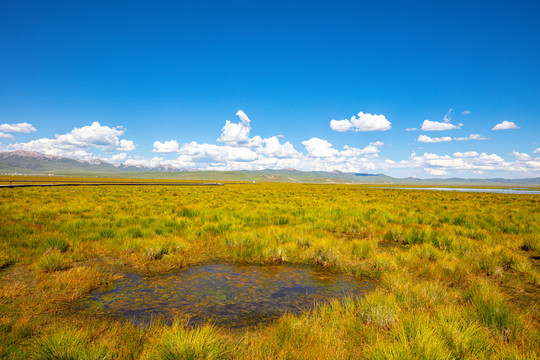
pixel 229 295
pixel 496 191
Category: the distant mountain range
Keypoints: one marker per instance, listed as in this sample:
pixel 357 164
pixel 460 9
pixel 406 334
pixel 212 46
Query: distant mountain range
pixel 26 162
pixel 34 163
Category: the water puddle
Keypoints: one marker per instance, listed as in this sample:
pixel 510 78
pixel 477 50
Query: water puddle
pixel 234 296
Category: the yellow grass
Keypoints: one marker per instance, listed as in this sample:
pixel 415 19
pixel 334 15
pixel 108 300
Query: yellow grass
pixel 458 273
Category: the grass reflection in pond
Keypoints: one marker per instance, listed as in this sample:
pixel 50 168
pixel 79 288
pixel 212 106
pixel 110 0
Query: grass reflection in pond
pixel 228 295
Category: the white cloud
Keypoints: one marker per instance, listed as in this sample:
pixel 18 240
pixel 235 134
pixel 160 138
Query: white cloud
pixel 319 148
pixel 428 125
pixel 427 139
pixel 341 125
pixel 537 151
pixel 411 129
pixel 79 142
pixel 273 148
pixel 521 156
pixel 471 137
pixel 465 112
pixel 371 150
pixel 466 154
pixel 448 116
pixel 117 158
pixel 473 162
pixel 217 153
pixel 236 134
pixel 505 125
pixel 170 146
pixel 437 172
pixel 364 122
pixel 5 136
pixel 20 127
pixel 126 145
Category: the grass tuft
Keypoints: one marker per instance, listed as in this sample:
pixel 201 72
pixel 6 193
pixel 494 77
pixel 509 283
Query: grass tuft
pixel 190 344
pixel 53 261
pixel 69 345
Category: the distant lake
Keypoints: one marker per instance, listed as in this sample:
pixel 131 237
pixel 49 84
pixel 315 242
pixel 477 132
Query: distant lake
pixel 496 191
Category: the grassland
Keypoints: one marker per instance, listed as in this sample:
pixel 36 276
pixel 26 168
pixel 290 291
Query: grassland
pixel 458 273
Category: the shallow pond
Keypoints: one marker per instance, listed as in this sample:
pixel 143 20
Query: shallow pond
pixel 228 295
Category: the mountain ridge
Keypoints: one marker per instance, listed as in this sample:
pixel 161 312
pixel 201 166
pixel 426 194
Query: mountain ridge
pixel 29 162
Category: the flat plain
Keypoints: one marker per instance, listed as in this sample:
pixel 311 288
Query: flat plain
pixel 457 274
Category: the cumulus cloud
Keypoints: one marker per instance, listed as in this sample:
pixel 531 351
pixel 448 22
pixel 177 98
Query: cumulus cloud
pixel 472 162
pixel 429 125
pixel 217 153
pixel 5 136
pixel 466 154
pixel 237 134
pixel 364 122
pixel 20 127
pixel 521 156
pixel 79 141
pixel 116 158
pixel 537 151
pixel 170 146
pixel 505 125
pixel 273 148
pixel 319 148
pixel 126 145
pixel 427 139
pixel 411 129
pixel 371 150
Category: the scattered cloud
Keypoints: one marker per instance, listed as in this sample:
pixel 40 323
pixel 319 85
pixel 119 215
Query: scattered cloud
pixel 79 141
pixel 505 125
pixel 166 147
pixel 448 116
pixel 465 112
pixel 466 154
pixel 471 137
pixel 429 125
pixel 371 150
pixel 20 127
pixel 521 156
pixel 537 151
pixel 273 148
pixel 427 139
pixel 126 145
pixel 243 152
pixel 116 158
pixel 472 162
pixel 319 148
pixel 217 153
pixel 236 134
pixel 364 122
pixel 411 129
pixel 437 172
pixel 5 136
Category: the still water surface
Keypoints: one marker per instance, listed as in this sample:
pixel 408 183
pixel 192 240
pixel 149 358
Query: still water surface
pixel 228 295
pixel 496 191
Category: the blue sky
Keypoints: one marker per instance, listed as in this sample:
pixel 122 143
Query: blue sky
pixel 150 83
